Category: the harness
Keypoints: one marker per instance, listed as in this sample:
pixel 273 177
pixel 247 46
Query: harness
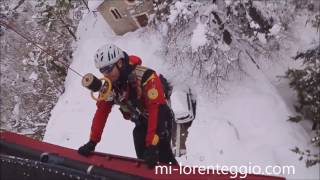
pixel 133 78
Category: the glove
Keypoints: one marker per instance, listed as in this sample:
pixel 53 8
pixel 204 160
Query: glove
pixel 86 149
pixel 151 156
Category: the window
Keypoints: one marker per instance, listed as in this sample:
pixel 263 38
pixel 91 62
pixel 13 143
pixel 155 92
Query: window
pixel 115 13
pixel 142 20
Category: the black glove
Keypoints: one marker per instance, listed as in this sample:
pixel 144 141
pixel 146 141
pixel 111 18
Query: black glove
pixel 151 156
pixel 86 149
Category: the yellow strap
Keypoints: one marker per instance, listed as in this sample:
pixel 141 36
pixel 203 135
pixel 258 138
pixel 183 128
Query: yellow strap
pixel 105 91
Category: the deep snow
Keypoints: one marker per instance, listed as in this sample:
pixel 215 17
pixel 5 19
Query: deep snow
pixel 246 124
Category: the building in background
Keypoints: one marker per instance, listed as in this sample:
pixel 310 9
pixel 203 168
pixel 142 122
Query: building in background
pixel 126 15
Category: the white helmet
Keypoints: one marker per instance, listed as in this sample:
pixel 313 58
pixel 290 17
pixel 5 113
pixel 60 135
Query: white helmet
pixel 106 55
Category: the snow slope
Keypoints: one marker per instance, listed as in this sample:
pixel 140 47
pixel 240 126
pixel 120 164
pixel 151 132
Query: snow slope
pixel 246 125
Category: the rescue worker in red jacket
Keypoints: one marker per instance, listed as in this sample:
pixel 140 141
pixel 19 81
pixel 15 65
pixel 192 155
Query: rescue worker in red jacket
pixel 140 94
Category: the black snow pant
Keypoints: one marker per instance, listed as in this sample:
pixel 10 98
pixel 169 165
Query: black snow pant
pixel 164 126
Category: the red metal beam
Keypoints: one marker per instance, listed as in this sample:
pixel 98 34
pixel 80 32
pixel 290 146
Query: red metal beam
pixel 126 165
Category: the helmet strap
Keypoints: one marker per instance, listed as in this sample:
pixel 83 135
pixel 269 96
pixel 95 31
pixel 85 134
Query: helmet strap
pixel 118 67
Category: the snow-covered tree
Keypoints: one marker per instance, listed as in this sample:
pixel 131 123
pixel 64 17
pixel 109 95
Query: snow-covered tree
pixel 31 79
pixel 306 82
pixel 211 39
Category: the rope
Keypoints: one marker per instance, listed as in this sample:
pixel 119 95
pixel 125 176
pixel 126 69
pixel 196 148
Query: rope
pixel 3 23
pixel 251 58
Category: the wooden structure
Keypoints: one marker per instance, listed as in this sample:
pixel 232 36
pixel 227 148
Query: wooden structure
pixel 126 15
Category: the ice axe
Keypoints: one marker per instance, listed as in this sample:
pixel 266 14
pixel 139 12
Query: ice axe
pixel 102 85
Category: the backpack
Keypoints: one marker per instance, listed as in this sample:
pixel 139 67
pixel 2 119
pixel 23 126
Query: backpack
pixel 167 87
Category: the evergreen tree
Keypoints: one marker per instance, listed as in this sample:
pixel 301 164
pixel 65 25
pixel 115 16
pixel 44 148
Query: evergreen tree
pixel 306 82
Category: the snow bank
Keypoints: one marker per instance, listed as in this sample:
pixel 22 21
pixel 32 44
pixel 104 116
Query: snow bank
pixel 246 125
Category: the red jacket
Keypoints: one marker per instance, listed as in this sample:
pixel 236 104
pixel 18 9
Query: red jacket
pixel 150 95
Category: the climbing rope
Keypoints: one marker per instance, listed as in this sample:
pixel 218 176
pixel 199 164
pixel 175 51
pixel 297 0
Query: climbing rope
pixel 55 58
